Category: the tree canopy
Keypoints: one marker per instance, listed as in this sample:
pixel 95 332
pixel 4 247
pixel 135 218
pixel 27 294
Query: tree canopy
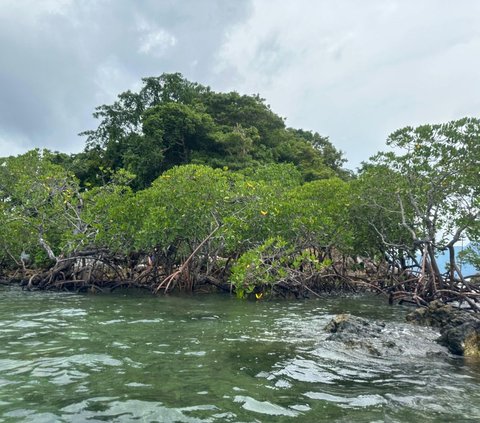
pixel 422 198
pixel 172 121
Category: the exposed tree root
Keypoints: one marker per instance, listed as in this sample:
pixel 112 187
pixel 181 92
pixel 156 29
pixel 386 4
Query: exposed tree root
pixel 100 271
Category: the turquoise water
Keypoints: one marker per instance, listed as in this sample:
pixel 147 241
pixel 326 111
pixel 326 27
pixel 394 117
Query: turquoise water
pixel 136 357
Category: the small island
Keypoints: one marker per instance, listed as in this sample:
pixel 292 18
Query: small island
pixel 181 188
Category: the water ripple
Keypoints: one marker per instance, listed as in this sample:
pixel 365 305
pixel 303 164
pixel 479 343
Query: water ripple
pixel 215 359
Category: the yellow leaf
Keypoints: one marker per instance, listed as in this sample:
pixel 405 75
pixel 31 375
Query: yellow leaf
pixel 263 212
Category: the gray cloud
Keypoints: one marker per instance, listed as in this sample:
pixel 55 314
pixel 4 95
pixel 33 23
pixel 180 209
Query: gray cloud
pixel 62 58
pixel 354 71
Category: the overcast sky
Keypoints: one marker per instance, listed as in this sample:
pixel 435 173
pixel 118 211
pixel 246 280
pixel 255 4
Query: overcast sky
pixel 351 70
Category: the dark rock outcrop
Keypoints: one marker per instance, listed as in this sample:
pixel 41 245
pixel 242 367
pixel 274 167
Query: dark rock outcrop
pixel 356 332
pixel 463 339
pixel 383 339
pixel 460 330
pixel 344 327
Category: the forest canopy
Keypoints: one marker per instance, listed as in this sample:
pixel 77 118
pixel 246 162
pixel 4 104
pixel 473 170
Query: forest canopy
pixel 182 187
pixel 172 121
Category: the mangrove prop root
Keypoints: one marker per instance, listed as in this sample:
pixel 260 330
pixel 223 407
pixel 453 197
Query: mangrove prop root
pixel 97 270
pixel 171 278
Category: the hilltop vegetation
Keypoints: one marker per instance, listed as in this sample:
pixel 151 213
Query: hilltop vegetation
pixel 172 122
pixel 180 187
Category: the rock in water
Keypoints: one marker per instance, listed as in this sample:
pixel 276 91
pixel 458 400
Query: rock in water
pixel 356 332
pixel 383 339
pixel 463 339
pixel 345 325
pixel 460 330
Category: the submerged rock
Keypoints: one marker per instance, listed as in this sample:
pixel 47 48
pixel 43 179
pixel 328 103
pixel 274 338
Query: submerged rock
pixel 438 315
pixel 346 326
pixel 460 330
pixel 356 332
pixel 381 339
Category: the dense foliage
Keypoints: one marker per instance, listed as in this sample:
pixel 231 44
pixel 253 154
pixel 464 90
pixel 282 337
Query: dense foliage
pixel 180 186
pixel 423 199
pixel 172 121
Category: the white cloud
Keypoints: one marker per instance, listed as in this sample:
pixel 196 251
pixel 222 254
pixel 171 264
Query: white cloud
pixel 155 41
pixel 356 71
pixel 112 78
